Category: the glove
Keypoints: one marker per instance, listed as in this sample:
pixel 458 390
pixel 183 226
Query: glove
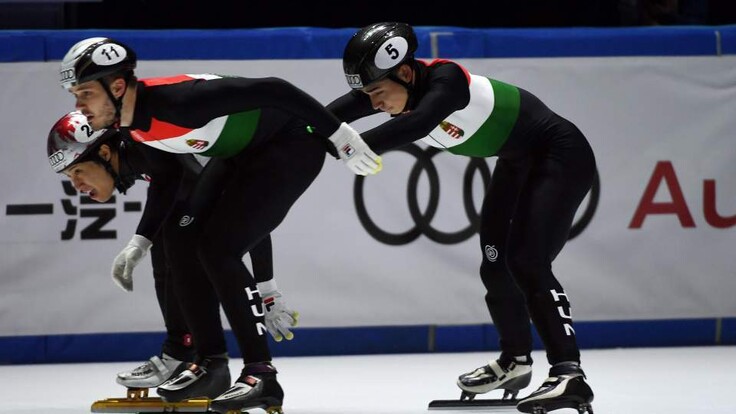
pixel 356 154
pixel 279 318
pixel 126 260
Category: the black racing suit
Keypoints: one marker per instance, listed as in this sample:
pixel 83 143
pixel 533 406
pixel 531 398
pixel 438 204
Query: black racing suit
pixel 257 131
pixel 171 178
pixel 544 169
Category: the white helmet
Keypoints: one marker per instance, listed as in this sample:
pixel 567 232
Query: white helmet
pixel 71 139
pixel 95 58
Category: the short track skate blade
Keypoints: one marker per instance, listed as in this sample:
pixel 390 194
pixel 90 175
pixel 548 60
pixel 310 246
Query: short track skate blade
pixel 150 405
pixel 472 404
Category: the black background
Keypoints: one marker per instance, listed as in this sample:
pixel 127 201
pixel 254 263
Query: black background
pixel 167 14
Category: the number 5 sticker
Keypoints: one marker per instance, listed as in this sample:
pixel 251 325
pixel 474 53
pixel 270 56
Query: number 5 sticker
pixel 391 52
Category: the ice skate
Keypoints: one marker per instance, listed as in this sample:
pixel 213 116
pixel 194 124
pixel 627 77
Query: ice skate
pixel 565 388
pixel 256 388
pixel 150 374
pixel 206 378
pixel 508 374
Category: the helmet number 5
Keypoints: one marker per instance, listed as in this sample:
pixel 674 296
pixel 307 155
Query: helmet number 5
pixel 393 53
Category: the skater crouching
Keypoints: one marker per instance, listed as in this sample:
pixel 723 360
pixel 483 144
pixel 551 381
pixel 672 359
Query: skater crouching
pixel 273 137
pixel 100 163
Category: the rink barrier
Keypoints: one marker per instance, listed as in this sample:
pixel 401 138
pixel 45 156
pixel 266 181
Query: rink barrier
pixel 322 43
pixel 113 347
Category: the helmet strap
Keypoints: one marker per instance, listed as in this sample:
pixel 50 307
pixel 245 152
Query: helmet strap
pixel 407 85
pixel 121 181
pixel 117 102
pixel 126 178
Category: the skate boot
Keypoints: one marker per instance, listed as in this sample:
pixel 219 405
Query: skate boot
pixel 510 374
pixel 565 388
pixel 207 378
pixel 150 374
pixel 256 388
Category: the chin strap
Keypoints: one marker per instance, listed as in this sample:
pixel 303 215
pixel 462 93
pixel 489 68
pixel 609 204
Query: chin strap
pixel 127 177
pixel 117 102
pixel 408 86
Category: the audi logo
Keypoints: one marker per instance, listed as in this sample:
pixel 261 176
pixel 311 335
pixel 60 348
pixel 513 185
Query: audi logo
pixel 56 158
pixel 67 74
pixel 354 80
pixel 423 219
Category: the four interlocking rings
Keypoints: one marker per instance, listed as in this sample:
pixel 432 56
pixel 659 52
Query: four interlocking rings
pixel 423 220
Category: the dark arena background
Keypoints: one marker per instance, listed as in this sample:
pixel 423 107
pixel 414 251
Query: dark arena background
pixel 153 14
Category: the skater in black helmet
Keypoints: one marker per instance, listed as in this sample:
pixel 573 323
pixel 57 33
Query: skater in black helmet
pixel 100 162
pixel 271 135
pixel 544 169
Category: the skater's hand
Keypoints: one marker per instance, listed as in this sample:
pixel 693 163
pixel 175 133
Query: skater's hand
pixel 356 154
pixel 279 318
pixel 126 260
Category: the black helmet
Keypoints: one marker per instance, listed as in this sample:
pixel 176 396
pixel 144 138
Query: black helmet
pixel 95 58
pixel 72 139
pixel 376 50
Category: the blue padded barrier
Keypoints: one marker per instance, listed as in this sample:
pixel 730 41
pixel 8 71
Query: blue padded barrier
pixel 320 43
pixel 133 346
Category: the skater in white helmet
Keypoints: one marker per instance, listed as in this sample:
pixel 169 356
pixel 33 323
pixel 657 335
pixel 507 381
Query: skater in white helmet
pixel 98 163
pixel 273 137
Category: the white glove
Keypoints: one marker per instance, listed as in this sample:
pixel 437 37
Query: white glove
pixel 279 318
pixel 354 151
pixel 126 260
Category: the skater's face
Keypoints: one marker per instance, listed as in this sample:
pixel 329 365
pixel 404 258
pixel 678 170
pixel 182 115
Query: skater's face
pixel 95 104
pixel 91 178
pixel 389 96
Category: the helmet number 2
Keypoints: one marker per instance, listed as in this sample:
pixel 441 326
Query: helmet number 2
pixel 87 130
pixel 392 53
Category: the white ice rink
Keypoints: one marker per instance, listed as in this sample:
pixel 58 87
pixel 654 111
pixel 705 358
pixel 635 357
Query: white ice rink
pixel 687 380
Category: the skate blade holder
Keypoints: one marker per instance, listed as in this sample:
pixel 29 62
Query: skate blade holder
pixel 137 393
pixel 143 405
pixel 268 410
pixel 496 405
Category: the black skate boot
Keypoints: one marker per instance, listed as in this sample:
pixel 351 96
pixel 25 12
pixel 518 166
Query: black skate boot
pixel 207 378
pixel 256 388
pixel 510 374
pixel 565 388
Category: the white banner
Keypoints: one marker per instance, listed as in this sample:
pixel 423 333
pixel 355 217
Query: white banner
pixel 660 243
